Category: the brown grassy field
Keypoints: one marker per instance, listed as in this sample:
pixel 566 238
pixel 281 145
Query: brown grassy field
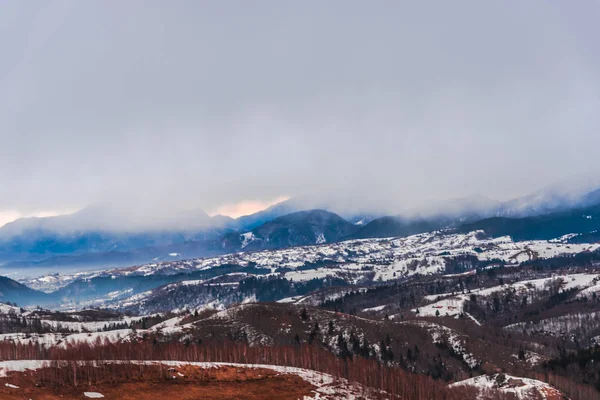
pixel 181 383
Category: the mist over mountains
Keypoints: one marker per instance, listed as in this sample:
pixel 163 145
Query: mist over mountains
pixel 97 236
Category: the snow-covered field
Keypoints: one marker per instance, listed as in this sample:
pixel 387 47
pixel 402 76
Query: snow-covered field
pixel 90 326
pixel 168 327
pixel 62 339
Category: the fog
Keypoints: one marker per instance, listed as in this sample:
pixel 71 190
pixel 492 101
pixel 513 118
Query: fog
pixel 371 106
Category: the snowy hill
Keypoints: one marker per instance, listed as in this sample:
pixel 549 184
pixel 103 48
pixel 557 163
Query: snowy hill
pixel 521 388
pixel 363 262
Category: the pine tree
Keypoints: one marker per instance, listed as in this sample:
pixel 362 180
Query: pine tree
pixel 343 346
pixel 304 314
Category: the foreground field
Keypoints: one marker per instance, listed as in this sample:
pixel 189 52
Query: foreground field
pixel 41 380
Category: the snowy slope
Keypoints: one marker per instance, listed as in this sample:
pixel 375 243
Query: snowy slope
pixel 453 304
pixel 389 258
pixel 522 388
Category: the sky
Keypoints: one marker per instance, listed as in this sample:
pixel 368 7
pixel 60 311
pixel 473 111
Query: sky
pixel 380 105
pixel 246 207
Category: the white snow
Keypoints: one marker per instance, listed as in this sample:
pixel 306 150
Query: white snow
pixel 62 340
pixel 95 337
pixel 531 358
pixel 307 275
pixel 355 261
pixel 388 257
pixel 320 239
pixel 93 395
pixel 21 366
pixel 247 238
pixel 292 299
pixel 6 309
pixel 557 326
pixel 446 307
pixel 449 305
pixel 92 326
pixel 378 308
pixel 522 388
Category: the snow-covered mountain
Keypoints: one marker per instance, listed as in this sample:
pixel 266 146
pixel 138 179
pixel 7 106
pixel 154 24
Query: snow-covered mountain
pixel 97 236
pixel 297 229
pixel 364 261
pixel 584 222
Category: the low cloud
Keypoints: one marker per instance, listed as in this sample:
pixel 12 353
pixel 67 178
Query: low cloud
pixel 246 207
pixel 367 106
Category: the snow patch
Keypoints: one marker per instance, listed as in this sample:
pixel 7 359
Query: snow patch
pixel 320 239
pixel 93 395
pixel 521 388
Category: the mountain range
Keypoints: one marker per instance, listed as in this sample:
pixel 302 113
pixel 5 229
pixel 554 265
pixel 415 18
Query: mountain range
pixel 78 239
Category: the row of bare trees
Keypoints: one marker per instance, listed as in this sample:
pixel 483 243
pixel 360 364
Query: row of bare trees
pixel 90 365
pixel 61 369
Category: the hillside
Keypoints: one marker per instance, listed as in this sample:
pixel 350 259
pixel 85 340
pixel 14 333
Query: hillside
pixel 293 271
pixel 398 226
pixel 543 227
pixel 15 292
pixel 521 314
pixel 303 228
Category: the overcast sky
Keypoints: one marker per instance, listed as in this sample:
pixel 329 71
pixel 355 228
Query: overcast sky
pixel 206 104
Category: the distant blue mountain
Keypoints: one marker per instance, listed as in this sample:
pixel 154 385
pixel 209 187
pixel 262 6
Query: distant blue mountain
pixel 300 228
pixel 293 205
pixel 584 221
pixel 101 230
pixel 100 235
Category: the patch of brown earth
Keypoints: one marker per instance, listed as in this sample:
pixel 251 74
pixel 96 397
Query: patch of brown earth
pixel 181 383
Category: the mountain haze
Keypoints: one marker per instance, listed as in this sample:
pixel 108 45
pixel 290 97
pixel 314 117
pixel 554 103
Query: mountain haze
pixel 96 236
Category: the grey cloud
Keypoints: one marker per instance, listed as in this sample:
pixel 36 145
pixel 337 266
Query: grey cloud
pixel 373 105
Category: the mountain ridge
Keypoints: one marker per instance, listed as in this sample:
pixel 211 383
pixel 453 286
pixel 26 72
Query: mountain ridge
pixel 55 242
pixel 580 221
